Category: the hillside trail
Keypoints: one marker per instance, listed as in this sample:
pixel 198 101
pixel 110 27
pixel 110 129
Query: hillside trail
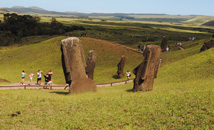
pixel 54 86
pixel 60 86
pixel 182 43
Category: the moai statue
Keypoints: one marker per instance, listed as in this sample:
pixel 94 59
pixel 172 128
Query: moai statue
pixel 73 63
pixel 207 45
pixel 120 67
pixel 164 44
pixel 148 69
pixel 90 65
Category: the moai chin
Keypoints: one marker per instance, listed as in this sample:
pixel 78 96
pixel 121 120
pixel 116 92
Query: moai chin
pixel 90 65
pixel 73 63
pixel 148 69
pixel 164 44
pixel 120 67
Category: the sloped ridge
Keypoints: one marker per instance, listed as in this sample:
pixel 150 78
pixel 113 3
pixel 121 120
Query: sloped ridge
pixel 196 67
pixel 210 23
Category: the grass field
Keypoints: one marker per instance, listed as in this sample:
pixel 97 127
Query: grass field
pixel 182 99
pixel 46 56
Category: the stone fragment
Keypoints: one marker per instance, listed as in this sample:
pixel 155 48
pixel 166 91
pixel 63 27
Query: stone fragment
pixel 148 69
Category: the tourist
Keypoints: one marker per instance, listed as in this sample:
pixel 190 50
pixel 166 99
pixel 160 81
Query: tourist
pixel 139 47
pixel 51 74
pixel 128 74
pixel 31 77
pixel 67 85
pixel 23 77
pixel 39 77
pixel 48 81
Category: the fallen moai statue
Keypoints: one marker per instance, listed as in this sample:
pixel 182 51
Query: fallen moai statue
pixel 73 63
pixel 90 65
pixel 148 69
pixel 120 67
pixel 164 44
pixel 207 45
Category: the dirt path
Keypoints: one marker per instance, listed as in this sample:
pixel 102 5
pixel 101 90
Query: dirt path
pixel 55 86
pixel 182 43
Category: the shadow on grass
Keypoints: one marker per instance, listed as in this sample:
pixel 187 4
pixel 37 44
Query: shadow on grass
pixel 115 77
pixel 60 93
pixel 130 90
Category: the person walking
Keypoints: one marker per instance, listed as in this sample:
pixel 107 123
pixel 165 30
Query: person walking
pixel 23 77
pixel 39 77
pixel 48 82
pixel 139 47
pixel 31 77
pixel 128 74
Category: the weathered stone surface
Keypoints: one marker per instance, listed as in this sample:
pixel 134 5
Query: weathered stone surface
pixel 207 45
pixel 164 44
pixel 73 63
pixel 120 67
pixel 148 69
pixel 90 65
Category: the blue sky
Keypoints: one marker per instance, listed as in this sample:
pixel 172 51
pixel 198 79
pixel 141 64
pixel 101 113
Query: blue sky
pixel 183 7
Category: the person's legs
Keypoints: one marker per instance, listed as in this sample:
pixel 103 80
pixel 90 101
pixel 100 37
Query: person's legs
pixel 31 80
pixel 67 85
pixel 22 82
pixel 39 81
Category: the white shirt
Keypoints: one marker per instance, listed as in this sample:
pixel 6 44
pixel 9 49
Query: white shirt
pixel 39 75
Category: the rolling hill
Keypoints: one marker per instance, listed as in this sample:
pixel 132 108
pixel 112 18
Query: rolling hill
pixel 182 97
pixel 108 16
pixel 46 56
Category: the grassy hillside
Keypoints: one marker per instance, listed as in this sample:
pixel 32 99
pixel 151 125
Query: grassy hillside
pixel 192 68
pixel 182 99
pixel 190 48
pixel 199 20
pixel 47 56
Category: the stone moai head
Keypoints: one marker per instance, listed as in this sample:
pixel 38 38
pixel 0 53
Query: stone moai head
pixel 73 63
pixel 120 67
pixel 148 69
pixel 91 62
pixel 164 44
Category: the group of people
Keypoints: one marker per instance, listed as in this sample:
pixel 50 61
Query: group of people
pixel 47 76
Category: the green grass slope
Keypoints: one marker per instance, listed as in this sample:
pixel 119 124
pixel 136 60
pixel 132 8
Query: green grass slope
pixel 175 54
pixel 47 56
pixel 182 98
pixel 192 68
pixel 199 20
